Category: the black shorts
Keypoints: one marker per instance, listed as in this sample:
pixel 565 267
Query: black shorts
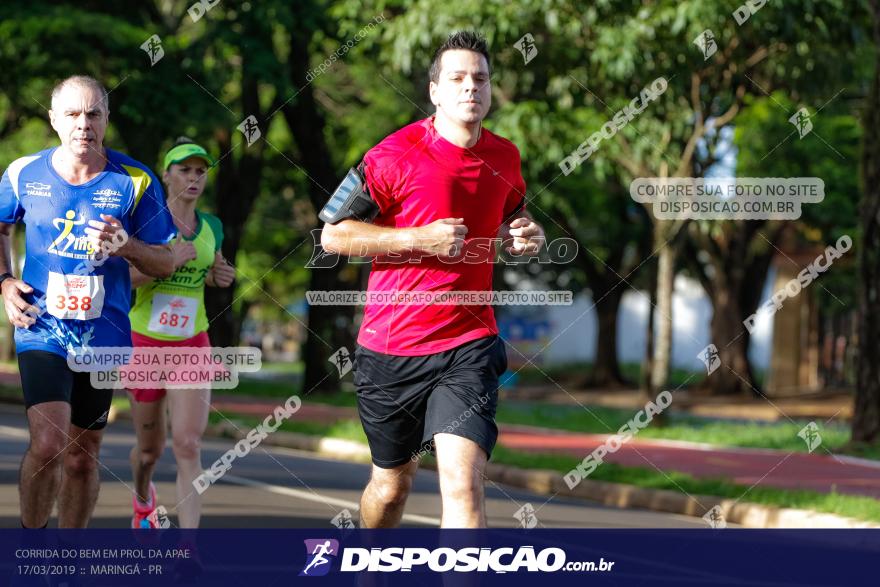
pixel 45 377
pixel 404 401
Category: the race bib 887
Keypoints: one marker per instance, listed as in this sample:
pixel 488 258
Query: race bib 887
pixel 173 315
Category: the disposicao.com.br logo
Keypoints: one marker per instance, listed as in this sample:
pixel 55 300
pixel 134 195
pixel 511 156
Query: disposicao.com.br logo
pixel 443 559
pixel 319 556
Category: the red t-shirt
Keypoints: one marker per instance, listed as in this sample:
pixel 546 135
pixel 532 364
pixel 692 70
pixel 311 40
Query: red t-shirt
pixel 416 177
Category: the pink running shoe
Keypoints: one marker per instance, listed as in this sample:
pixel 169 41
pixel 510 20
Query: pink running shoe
pixel 141 518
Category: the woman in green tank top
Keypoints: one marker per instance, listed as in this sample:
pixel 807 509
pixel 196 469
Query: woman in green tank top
pixel 170 313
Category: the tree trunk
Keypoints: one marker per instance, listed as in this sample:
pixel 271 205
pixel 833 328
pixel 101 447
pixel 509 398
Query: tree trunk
pixel 648 360
pixel 727 332
pixel 733 278
pixel 665 282
pixel 606 369
pixel 866 415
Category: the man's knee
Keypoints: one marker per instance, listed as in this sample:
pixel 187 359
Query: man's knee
pixel 461 482
pixel 47 445
pixel 48 424
pixel 186 446
pixel 392 488
pixel 80 461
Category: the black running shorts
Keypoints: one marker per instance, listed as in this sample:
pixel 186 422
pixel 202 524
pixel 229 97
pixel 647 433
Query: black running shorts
pixel 404 401
pixel 45 377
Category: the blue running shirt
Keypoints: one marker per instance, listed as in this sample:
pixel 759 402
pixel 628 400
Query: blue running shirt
pixel 85 302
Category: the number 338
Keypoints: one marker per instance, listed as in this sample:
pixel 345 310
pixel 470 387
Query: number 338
pixel 74 303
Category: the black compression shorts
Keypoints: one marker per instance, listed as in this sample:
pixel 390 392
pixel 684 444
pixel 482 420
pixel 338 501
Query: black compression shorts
pixel 45 377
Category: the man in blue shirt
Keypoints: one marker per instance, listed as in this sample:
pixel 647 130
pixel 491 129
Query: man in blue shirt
pixel 89 212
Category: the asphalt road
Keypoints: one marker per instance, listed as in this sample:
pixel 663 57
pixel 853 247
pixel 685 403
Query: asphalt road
pixel 283 488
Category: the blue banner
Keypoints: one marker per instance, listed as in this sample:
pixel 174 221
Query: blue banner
pixel 271 557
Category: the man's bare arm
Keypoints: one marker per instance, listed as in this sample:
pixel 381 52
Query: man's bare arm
pixel 181 252
pixel 444 237
pixel 19 311
pixel 5 232
pixel 108 235
pixel 151 260
pixel 137 278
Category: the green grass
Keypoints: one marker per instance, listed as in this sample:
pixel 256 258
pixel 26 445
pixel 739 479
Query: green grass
pixel 284 389
pixel 577 372
pixel 599 420
pixel 120 402
pixel 346 399
pixel 295 368
pixel 259 388
pixel 10 393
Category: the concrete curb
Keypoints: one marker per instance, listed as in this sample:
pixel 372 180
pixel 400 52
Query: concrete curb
pixel 551 483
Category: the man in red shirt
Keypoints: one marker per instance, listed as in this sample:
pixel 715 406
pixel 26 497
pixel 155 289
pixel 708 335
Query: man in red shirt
pixel 427 375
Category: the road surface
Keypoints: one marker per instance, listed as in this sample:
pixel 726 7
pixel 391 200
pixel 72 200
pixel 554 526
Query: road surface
pixel 283 488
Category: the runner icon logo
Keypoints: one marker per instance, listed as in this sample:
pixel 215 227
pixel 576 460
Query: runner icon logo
pixel 343 520
pixel 159 518
pixel 526 45
pixel 715 518
pixel 341 359
pixel 706 43
pixel 250 129
pixel 153 48
pixel 801 121
pixel 319 556
pixel 526 516
pixel 710 358
pixel 810 435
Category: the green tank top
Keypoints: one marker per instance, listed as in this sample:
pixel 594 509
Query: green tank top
pixel 174 308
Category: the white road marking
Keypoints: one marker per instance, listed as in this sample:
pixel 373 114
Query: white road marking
pixel 14 432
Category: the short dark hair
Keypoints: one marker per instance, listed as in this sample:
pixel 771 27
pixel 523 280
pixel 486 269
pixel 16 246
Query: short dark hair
pixel 468 40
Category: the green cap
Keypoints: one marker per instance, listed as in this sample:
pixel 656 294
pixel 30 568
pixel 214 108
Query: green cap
pixel 185 151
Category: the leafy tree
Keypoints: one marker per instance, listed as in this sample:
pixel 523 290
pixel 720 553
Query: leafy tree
pixel 731 258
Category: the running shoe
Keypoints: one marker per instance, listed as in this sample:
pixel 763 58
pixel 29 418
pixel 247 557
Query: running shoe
pixel 141 518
